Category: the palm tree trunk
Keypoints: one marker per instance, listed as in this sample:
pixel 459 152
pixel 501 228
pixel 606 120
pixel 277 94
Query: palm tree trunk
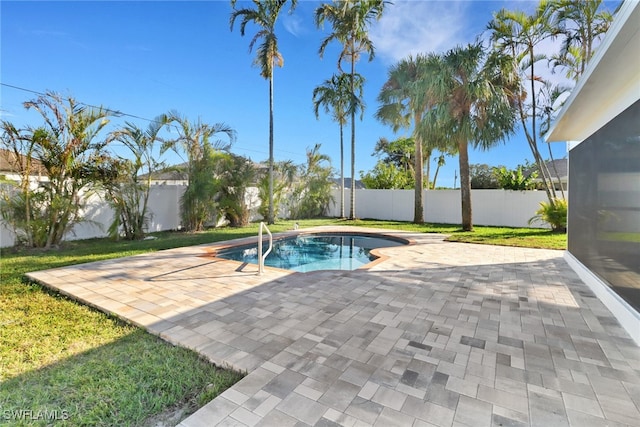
pixel 341 172
pixel 465 186
pixel 270 220
pixel 427 172
pixel 352 215
pixel 418 212
pixel 27 188
pixel 145 203
pixel 534 147
pixel 555 169
pixel 435 176
pixel 542 167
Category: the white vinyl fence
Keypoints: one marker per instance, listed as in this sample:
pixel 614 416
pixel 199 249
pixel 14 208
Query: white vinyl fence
pixel 164 209
pixel 490 207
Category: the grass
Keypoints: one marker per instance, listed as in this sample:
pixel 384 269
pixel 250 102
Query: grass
pixel 620 237
pixel 59 355
pixel 521 237
pixel 503 236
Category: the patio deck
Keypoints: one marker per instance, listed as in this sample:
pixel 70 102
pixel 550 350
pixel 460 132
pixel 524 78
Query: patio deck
pixel 437 334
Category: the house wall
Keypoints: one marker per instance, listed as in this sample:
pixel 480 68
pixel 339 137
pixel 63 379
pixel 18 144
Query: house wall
pixel 490 207
pixel 604 211
pixel 600 121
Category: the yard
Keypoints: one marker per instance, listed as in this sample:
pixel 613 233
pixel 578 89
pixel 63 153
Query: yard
pixel 61 359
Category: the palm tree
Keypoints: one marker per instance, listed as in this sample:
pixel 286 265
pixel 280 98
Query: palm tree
pixel 239 173
pixel 336 97
pixel 581 23
pixel 268 56
pixel 477 96
pixel 441 162
pixel 194 136
pixel 350 20
pixel 194 139
pixel 130 195
pixel 405 99
pixel 519 35
pixel 313 194
pixel 19 149
pixel 284 176
pixel 70 152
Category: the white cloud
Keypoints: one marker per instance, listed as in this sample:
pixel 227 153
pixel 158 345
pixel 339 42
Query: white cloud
pixel 411 27
pixel 293 24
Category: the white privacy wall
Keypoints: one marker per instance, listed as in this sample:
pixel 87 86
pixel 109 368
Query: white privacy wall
pixel 164 204
pixel 164 212
pixel 490 207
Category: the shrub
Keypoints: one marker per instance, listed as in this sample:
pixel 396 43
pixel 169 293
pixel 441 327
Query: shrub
pixel 514 179
pixel 553 213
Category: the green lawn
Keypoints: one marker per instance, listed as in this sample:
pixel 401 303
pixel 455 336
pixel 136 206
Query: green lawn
pixel 74 362
pixel 504 236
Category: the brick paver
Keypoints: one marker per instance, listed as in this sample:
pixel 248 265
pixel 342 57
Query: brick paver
pixel 436 334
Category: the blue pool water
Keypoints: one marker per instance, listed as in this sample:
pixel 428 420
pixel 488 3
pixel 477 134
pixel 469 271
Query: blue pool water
pixel 314 252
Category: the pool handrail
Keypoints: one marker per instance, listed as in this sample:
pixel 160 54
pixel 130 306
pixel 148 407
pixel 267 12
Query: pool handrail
pixel 262 257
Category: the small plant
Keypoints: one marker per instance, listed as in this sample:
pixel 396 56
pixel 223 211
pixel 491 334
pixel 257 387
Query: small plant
pixel 553 213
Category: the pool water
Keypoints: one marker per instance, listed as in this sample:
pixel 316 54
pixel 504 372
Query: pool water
pixel 314 252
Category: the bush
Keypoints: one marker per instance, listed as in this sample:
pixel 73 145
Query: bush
pixel 553 213
pixel 514 179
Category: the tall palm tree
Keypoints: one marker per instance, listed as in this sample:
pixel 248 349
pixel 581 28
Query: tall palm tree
pixel 350 21
pixel 581 22
pixel 405 99
pixel 268 56
pixel 520 35
pixel 477 96
pixel 335 96
pixel 441 162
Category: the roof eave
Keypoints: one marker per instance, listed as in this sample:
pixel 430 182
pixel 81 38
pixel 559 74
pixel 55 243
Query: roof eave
pixel 609 85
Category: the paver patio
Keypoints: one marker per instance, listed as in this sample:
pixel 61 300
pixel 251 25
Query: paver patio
pixel 437 334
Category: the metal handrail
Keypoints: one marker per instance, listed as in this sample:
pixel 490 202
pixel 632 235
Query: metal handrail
pixel 262 257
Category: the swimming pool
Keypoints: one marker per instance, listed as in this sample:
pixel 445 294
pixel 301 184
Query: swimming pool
pixel 312 252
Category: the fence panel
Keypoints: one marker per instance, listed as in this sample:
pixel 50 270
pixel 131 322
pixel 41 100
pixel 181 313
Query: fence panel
pixel 490 207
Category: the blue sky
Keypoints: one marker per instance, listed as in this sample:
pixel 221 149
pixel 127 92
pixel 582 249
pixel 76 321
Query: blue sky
pixel 148 57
